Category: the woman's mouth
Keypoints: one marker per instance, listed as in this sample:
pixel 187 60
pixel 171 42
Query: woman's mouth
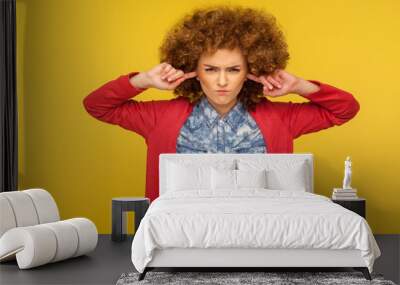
pixel 222 92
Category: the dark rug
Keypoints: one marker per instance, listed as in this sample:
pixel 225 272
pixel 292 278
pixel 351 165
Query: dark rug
pixel 270 278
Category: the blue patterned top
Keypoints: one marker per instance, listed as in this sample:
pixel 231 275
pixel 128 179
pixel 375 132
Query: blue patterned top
pixel 206 132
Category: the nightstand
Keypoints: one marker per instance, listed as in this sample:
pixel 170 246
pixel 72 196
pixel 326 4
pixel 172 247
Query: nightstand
pixel 119 208
pixel 356 205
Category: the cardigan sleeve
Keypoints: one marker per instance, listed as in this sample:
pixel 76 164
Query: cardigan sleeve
pixel 328 107
pixel 112 103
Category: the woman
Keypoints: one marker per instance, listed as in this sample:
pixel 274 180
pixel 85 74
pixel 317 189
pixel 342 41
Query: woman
pixel 221 63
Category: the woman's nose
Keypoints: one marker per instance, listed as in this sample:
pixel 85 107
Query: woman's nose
pixel 222 80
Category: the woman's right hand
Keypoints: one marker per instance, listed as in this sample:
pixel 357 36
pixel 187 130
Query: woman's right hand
pixel 163 76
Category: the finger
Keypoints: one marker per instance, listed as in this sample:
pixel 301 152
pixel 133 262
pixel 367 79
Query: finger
pixel 271 93
pixel 266 83
pixel 274 82
pixel 280 75
pixel 177 82
pixel 170 73
pixel 167 69
pixel 174 74
pixel 276 73
pixel 253 77
pixel 279 79
pixel 164 65
pixel 190 74
pixel 266 91
pixel 177 74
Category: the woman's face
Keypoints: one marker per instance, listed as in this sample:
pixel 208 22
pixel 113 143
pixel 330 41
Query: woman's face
pixel 221 77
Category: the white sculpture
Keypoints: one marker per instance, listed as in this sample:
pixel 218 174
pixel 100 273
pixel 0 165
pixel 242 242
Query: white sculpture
pixel 347 174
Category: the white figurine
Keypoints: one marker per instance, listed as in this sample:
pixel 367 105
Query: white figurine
pixel 347 174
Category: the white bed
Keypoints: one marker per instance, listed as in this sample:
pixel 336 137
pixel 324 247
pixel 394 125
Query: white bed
pixel 247 210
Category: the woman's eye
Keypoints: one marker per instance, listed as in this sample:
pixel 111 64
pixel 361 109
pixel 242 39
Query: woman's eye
pixel 230 70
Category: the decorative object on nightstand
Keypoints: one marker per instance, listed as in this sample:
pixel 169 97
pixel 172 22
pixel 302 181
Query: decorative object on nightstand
pixel 347 192
pixel 119 208
pixel 357 205
pixel 347 174
pixel 344 194
pixel 347 196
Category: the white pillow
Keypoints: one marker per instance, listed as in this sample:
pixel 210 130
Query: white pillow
pixel 251 178
pixel 281 175
pixel 223 179
pixel 181 177
pixel 228 179
pixel 185 174
pixel 288 179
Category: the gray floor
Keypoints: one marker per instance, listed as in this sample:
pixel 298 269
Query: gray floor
pixel 111 259
pixel 103 266
pixel 389 262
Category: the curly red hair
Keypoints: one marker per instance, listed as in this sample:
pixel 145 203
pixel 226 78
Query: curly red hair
pixel 254 32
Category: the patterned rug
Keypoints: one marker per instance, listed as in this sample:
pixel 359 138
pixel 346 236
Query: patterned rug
pixel 269 278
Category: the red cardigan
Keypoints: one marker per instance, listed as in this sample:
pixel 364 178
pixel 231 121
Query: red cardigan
pixel 159 122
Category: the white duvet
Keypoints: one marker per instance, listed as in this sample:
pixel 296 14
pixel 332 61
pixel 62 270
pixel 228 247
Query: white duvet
pixel 251 218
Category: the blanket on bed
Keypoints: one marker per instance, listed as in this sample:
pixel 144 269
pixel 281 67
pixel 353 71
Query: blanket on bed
pixel 250 218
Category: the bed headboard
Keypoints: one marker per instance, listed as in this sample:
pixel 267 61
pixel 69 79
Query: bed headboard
pixel 218 157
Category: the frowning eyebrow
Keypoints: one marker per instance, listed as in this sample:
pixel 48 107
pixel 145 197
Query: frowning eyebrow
pixel 208 65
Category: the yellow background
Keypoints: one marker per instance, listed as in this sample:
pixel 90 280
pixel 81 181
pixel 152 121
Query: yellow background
pixel 66 49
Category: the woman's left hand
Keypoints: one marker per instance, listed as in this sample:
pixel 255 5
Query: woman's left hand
pixel 278 83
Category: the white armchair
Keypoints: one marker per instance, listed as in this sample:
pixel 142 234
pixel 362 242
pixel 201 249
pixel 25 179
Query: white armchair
pixel 32 233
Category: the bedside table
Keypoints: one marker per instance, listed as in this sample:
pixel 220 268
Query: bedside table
pixel 124 204
pixel 356 205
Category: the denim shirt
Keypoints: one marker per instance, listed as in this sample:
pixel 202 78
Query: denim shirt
pixel 206 132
